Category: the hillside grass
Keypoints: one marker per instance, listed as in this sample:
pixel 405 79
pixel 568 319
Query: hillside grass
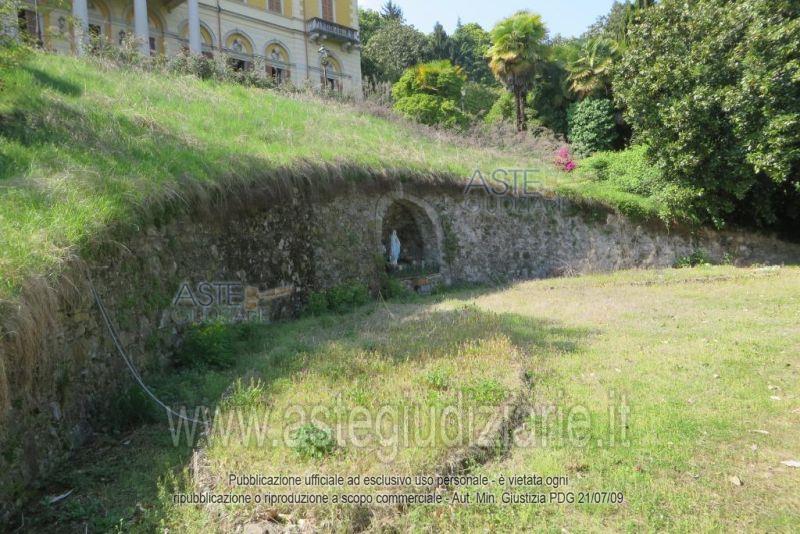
pixel 84 147
pixel 705 361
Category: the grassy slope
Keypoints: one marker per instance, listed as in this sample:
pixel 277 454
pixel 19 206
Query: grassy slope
pixel 702 356
pixel 82 147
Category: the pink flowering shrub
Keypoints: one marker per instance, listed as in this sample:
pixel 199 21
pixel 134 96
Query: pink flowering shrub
pixel 564 161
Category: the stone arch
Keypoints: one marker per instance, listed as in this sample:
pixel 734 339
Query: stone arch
pixel 418 225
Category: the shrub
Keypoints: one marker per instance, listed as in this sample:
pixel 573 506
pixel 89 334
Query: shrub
pixel 564 161
pixel 591 125
pixel 209 344
pixel 430 93
pixel 311 441
pixel 437 78
pixel 431 110
pixel 345 297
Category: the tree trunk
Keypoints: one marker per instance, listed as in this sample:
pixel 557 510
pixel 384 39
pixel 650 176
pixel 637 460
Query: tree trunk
pixel 519 97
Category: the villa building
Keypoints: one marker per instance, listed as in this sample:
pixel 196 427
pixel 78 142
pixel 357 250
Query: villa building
pixel 304 42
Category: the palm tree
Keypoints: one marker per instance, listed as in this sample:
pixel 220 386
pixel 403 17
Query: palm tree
pixel 590 74
pixel 514 55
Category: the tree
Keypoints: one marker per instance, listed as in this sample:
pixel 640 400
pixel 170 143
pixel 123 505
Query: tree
pixel 439 44
pixel 713 89
pixel 616 24
pixel 391 11
pixel 590 74
pixel 513 57
pixel 470 42
pixel 392 49
pixel 369 22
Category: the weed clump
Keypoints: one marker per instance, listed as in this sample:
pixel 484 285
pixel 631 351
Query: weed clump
pixel 438 379
pixel 312 441
pixel 698 257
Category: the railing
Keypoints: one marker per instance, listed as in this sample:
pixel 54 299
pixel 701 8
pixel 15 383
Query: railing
pixel 332 30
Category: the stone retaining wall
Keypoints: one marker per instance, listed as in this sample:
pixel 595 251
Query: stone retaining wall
pixel 61 377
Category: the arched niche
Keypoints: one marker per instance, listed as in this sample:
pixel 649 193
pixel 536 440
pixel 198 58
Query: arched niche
pixel 419 230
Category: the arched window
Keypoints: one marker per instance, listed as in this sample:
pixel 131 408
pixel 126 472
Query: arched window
pixel 277 63
pixel 240 49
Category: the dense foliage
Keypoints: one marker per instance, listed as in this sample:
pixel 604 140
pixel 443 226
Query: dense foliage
pixel 430 93
pixel 550 97
pixel 629 170
pixel 469 44
pixel 713 88
pixel 591 126
pixel 394 47
pixel 479 98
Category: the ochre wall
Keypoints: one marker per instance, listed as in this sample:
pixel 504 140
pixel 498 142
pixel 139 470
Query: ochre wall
pixel 342 9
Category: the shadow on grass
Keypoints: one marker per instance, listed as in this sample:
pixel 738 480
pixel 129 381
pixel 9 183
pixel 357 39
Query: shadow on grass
pixel 60 85
pixel 128 479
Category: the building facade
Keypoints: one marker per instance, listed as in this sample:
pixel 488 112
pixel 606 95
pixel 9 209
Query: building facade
pixel 304 42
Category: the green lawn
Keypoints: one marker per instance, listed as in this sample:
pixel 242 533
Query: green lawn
pixel 703 362
pixel 84 148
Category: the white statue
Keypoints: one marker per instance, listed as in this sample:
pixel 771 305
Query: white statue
pixel 394 248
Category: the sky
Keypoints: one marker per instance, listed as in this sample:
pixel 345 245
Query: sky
pixel 567 17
